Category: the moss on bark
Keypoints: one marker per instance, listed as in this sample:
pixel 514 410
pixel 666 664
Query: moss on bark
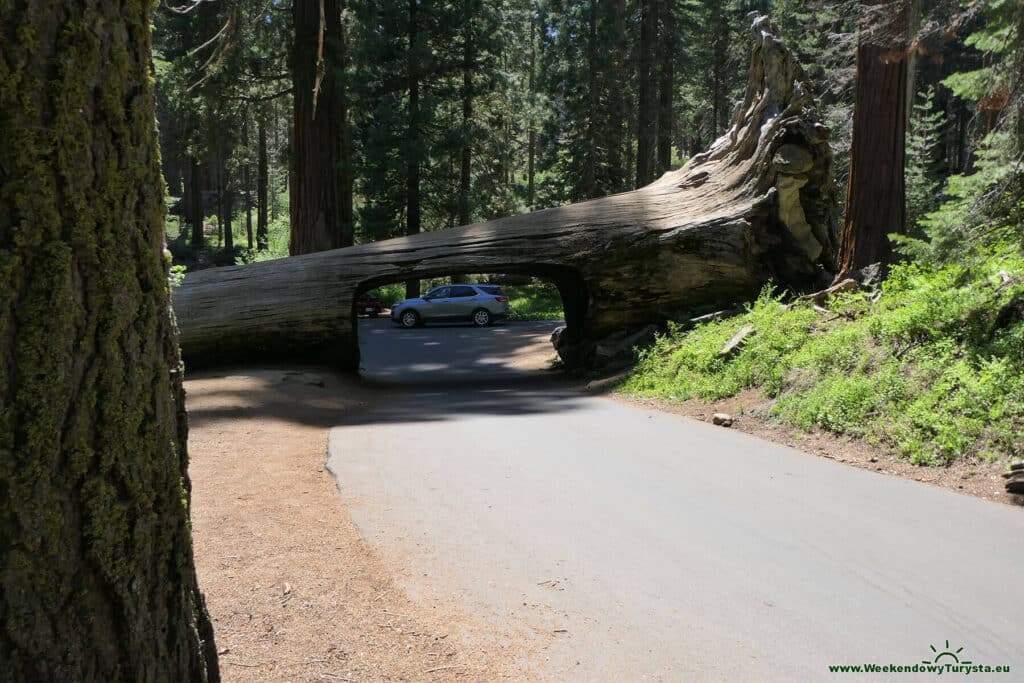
pixel 96 574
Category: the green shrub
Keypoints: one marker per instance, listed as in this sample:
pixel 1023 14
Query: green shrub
pixel 933 368
pixel 535 301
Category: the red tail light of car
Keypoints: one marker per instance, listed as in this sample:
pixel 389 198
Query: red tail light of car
pixel 502 299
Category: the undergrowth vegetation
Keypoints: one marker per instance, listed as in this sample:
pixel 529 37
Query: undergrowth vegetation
pixel 932 365
pixel 536 301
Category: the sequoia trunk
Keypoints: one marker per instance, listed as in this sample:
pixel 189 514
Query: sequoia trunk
pixel 875 192
pixel 96 573
pixel 321 217
pixel 668 47
pixel 412 174
pixel 647 117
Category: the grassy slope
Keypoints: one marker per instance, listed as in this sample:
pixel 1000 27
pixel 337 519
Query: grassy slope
pixel 933 368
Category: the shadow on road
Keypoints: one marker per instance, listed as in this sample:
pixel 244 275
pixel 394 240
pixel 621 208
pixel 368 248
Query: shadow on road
pixel 423 375
pixel 441 354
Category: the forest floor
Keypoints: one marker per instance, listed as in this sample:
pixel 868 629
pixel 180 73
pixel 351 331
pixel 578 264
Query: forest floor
pixel 294 591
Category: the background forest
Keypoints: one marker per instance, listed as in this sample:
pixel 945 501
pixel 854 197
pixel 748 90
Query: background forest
pixel 454 112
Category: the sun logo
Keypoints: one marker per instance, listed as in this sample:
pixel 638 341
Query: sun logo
pixel 945 653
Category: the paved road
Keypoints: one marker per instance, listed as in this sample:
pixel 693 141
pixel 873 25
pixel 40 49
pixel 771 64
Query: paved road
pixel 658 548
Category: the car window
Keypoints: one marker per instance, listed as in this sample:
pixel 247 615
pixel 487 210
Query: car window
pixel 493 290
pixel 439 293
pixel 463 291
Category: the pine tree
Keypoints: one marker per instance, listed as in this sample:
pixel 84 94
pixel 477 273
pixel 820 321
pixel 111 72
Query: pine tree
pixel 982 207
pixel 924 140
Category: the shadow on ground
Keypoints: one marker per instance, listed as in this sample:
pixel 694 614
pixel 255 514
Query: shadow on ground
pixel 421 375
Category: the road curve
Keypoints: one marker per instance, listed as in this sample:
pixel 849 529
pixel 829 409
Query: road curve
pixel 653 547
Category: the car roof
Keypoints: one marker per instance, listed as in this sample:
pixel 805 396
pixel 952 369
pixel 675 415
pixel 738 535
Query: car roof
pixel 485 288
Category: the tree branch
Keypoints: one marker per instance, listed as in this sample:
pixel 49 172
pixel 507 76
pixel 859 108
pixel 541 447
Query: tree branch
pixel 261 98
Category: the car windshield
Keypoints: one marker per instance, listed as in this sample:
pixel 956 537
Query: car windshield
pixel 490 289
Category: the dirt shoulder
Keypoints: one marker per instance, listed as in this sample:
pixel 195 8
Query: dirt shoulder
pixel 294 591
pixel 749 411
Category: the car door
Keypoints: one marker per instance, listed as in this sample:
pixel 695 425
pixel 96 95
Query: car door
pixel 438 306
pixel 464 301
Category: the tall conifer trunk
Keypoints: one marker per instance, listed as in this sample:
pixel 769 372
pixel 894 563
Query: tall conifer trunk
pixel 96 573
pixel 194 208
pixel 262 181
pixel 647 117
pixel 589 180
pixel 619 111
pixel 875 192
pixel 668 45
pixel 321 217
pixel 412 177
pixel 466 145
pixel 531 159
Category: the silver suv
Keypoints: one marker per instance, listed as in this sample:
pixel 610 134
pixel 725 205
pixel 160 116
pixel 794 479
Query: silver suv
pixel 478 304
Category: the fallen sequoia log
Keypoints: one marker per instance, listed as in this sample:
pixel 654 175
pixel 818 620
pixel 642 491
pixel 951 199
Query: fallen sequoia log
pixel 756 207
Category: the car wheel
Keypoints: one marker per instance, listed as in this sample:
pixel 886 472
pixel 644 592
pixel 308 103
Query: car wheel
pixel 481 317
pixel 410 319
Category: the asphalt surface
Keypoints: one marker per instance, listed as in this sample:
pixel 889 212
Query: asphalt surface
pixel 647 546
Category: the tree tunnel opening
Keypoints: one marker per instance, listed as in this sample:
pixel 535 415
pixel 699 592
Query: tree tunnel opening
pixel 447 334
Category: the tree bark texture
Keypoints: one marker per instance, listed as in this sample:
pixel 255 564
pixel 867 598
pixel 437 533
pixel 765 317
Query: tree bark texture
pixel 466 151
pixel 346 169
pixel 668 47
pixel 229 214
pixel 466 144
pixel 321 218
pixel 757 206
pixel 531 152
pixel 720 50
pixel 412 174
pixel 589 181
pixel 620 106
pixel 647 112
pixel 247 180
pixel 96 570
pixel 875 191
pixel 262 182
pixel 194 207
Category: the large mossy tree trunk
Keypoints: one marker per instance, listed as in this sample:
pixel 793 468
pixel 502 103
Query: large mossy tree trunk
pixel 96 572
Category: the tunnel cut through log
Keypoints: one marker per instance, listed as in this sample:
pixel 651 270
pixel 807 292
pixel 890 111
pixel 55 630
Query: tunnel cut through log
pixel 572 290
